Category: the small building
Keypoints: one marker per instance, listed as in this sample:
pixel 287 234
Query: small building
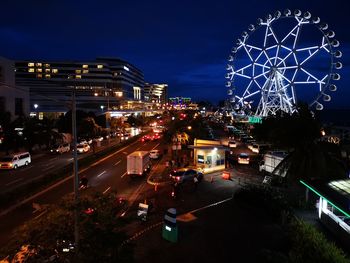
pixel 333 206
pixel 209 155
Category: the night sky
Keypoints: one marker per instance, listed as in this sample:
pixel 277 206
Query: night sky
pixel 182 43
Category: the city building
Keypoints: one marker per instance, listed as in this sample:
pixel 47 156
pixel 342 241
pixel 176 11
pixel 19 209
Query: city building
pixel 12 99
pixel 333 206
pixel 99 85
pixel 156 93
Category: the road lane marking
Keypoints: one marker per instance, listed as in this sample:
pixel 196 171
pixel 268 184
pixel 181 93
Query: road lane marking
pixel 105 191
pixel 48 168
pixel 109 156
pixel 125 152
pixel 155 146
pixel 44 212
pixel 52 159
pixel 101 173
pixel 117 163
pixel 123 175
pixel 14 181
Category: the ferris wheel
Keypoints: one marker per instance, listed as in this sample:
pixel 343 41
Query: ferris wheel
pixel 285 57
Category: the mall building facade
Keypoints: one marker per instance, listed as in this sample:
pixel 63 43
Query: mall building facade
pixel 99 85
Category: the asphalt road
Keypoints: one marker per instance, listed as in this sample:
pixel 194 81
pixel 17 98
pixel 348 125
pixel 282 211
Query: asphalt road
pixel 107 174
pixel 41 165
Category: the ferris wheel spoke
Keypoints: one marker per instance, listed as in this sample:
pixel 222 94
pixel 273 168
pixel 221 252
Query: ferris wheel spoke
pixel 260 75
pixel 242 75
pixel 291 33
pixel 272 33
pixel 267 57
pixel 250 94
pixel 285 78
pixel 307 48
pixel 241 70
pixel 253 47
pixel 261 65
pixel 310 75
pixel 248 53
pixel 296 36
pixel 284 59
pixel 288 67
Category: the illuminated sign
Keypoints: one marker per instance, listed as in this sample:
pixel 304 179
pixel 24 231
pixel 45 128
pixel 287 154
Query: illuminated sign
pixel 253 119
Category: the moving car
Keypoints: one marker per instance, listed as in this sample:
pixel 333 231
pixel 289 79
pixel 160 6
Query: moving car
pixel 60 148
pixel 184 174
pixel 83 148
pixel 243 158
pixel 154 154
pixel 16 160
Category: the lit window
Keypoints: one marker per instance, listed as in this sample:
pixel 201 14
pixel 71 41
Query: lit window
pixel 99 66
pixel 78 71
pixel 47 65
pixel 39 70
pixel 31 64
pixel 85 71
pixel 39 76
pixel 85 66
pixel 78 76
pixel 30 70
pixel 119 93
pixel 47 76
pixel 55 70
pixel 39 64
pixel 47 70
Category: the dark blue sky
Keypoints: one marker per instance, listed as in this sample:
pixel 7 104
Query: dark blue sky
pixel 182 43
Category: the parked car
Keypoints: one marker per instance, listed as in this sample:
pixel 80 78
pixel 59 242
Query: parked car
pixel 243 158
pixel 99 138
pixel 60 148
pixel 83 148
pixel 154 154
pixel 184 174
pixel 15 160
pixel 232 144
pixel 82 141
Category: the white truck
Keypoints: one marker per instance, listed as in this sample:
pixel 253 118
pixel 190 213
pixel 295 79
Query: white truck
pixel 270 162
pixel 138 163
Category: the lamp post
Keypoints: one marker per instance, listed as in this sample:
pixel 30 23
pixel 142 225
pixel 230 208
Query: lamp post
pixel 75 170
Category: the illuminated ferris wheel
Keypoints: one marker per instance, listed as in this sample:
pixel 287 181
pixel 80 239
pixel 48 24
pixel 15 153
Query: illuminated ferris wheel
pixel 283 58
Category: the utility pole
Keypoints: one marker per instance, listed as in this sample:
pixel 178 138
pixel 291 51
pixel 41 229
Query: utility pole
pixel 75 170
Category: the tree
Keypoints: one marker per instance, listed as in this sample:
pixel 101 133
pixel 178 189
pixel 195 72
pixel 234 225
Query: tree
pixel 300 133
pixel 89 128
pixel 100 234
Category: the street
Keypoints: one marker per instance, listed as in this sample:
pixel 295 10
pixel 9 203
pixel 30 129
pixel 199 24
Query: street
pixel 107 174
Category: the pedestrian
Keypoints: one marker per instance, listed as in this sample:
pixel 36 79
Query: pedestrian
pixel 195 180
pixel 173 163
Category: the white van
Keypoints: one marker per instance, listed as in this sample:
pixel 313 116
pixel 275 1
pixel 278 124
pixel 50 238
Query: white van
pixel 15 160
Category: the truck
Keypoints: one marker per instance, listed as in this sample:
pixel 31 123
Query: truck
pixel 138 163
pixel 271 160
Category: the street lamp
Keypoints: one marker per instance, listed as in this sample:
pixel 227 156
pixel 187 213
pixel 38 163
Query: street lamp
pixel 36 106
pixel 102 107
